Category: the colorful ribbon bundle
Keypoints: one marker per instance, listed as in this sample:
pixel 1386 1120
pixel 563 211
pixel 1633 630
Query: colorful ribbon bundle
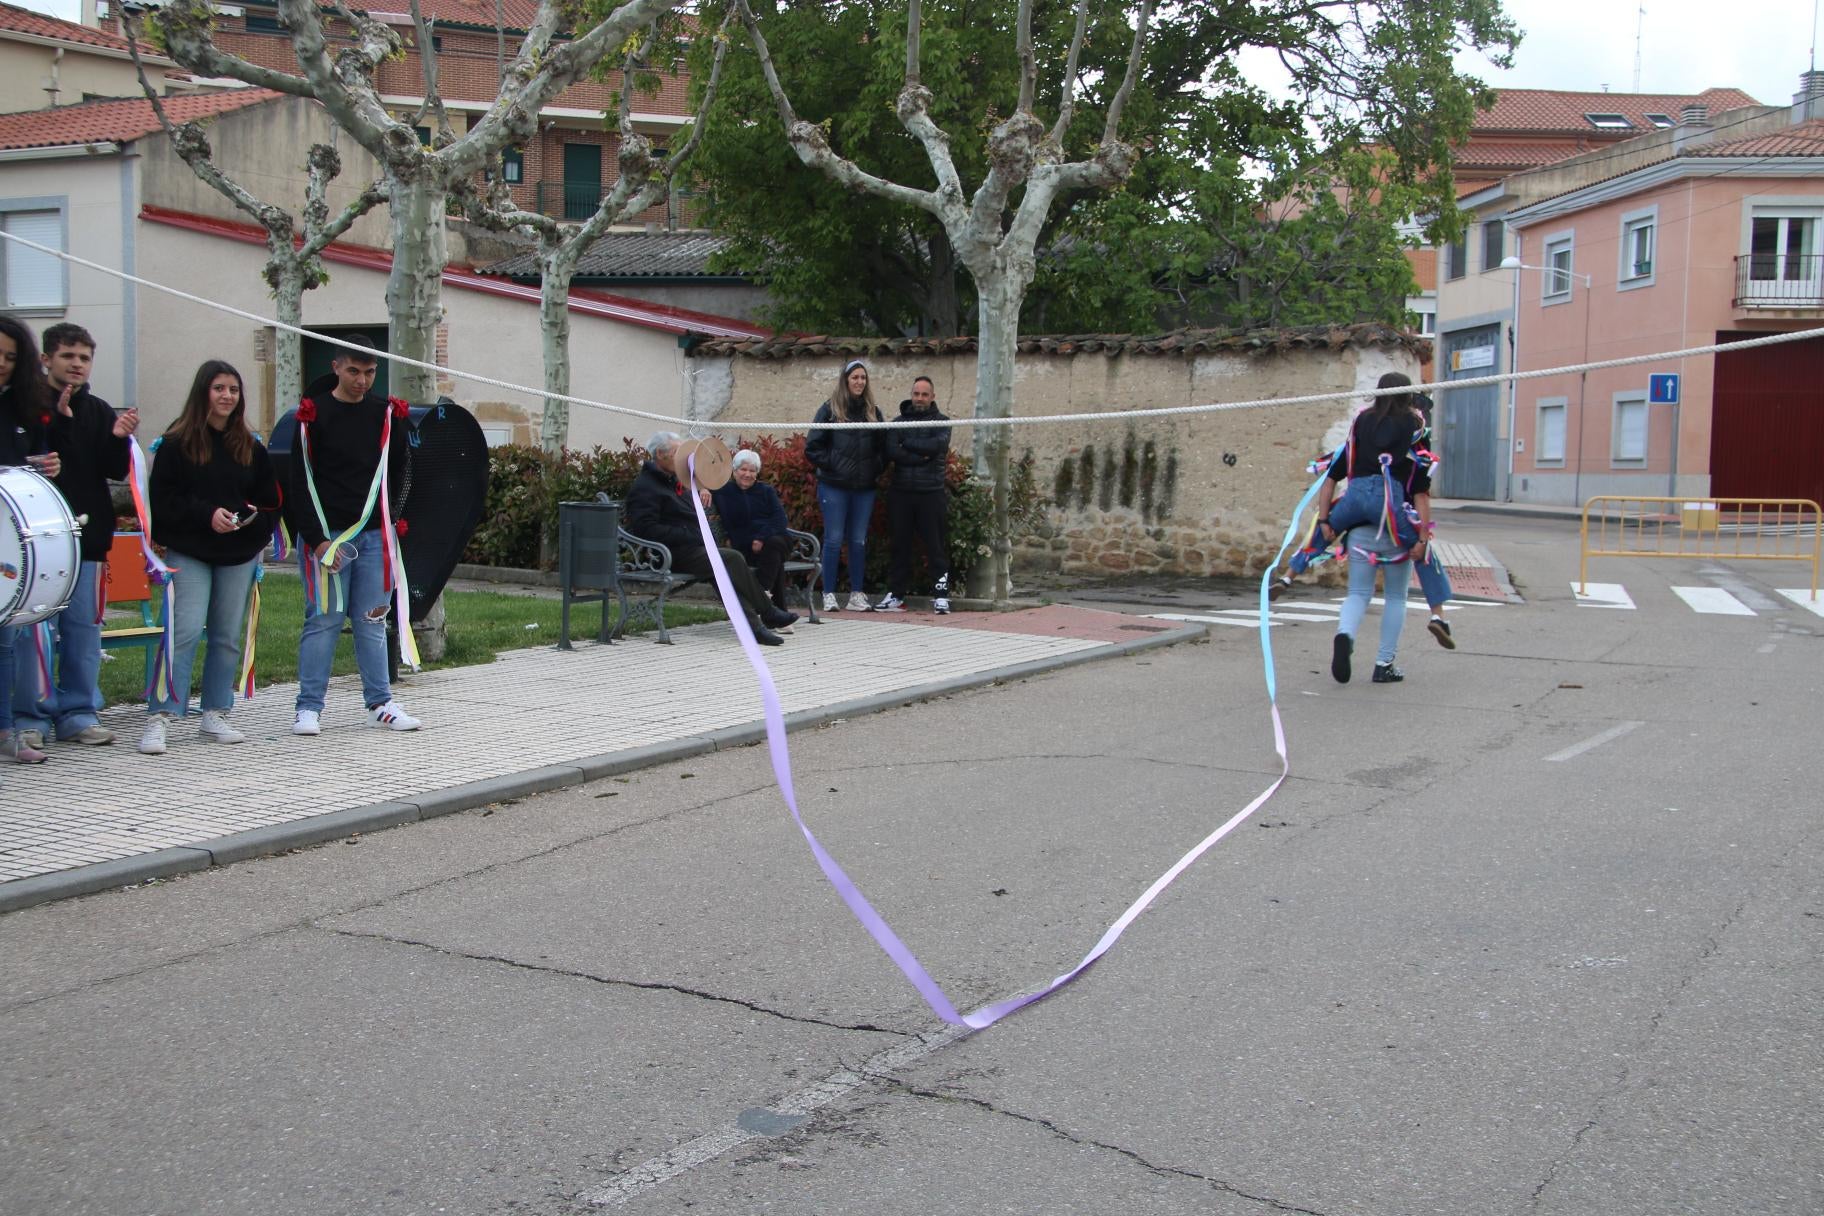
pixel 877 927
pixel 164 665
pixel 315 572
pixel 251 636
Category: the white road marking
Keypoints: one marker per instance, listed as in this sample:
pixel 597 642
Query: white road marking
pixel 1712 601
pixel 1602 595
pixel 1725 578
pixel 1607 736
pixel 656 1171
pixel 1803 598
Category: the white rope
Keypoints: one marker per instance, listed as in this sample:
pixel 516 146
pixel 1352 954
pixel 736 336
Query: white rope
pixel 796 424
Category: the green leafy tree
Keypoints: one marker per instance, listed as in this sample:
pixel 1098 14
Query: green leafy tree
pixel 1245 207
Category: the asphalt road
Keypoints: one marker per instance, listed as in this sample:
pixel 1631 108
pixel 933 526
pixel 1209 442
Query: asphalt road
pixel 1537 931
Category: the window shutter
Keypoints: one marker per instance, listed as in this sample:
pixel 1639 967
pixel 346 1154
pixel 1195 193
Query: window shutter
pixel 34 279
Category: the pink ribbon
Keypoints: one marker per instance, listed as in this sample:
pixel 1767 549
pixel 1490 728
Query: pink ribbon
pixel 870 919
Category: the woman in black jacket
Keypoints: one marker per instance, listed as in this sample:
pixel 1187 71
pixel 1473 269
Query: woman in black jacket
pixel 213 498
pixel 849 465
pixel 753 521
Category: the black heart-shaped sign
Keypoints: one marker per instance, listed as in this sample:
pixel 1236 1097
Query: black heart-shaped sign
pixel 445 491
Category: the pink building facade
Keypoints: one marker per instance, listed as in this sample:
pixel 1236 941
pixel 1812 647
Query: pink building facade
pixel 1717 241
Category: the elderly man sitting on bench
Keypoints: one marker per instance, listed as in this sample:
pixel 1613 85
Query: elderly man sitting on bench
pixel 657 510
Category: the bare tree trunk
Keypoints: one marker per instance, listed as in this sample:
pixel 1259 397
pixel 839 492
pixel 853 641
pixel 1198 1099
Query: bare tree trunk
pixel 288 347
pixel 413 291
pixel 554 332
pixel 1000 296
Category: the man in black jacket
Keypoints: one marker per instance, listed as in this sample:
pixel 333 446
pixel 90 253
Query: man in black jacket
pixel 916 501
pixel 657 510
pixel 91 443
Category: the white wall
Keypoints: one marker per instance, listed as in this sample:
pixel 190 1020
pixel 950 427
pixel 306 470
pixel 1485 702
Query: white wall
pixel 89 190
pixel 490 335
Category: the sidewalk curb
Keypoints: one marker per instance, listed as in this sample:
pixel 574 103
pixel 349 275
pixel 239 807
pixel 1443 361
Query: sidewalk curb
pixel 277 838
pixel 1494 508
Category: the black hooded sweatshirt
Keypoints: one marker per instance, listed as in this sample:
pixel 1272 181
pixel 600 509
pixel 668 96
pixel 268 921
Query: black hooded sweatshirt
pixel 919 454
pixel 92 454
pixel 185 496
pixel 344 453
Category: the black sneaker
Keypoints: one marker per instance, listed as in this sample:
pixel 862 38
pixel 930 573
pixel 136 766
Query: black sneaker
pixel 1441 631
pixel 779 618
pixel 1340 650
pixel 1278 587
pixel 1387 673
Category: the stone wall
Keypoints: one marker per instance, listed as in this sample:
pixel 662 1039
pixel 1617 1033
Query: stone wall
pixel 1190 494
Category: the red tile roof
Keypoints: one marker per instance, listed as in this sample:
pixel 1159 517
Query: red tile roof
pixel 1558 110
pixel 1497 154
pixel 115 120
pixel 25 21
pixel 1806 139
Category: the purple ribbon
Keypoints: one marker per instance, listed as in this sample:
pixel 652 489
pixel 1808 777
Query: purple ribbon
pixel 858 903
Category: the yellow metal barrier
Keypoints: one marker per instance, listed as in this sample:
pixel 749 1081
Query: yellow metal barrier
pixel 1739 529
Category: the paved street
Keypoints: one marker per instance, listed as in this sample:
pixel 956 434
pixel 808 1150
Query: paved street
pixel 1538 930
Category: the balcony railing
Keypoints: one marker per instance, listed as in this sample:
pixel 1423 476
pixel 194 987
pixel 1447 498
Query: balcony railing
pixel 1779 280
pixel 570 201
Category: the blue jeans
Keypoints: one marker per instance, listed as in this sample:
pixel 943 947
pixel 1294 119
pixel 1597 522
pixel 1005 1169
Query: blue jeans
pixel 1365 505
pixel 8 661
pixel 1396 576
pixel 74 700
pixel 363 584
pixel 216 596
pixel 845 518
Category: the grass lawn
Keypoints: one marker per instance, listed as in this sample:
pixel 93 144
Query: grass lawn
pixel 481 625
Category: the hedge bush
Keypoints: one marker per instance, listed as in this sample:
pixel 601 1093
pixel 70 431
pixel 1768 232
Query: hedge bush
pixel 525 486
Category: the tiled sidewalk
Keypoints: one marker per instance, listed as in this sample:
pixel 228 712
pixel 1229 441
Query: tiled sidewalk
pixel 534 719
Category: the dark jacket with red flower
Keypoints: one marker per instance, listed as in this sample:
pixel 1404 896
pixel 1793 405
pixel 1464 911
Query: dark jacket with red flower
pixel 185 496
pixel 657 510
pixel 343 451
pixel 91 454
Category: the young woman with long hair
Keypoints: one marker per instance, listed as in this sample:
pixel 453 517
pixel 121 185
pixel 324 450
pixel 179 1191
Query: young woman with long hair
pixel 213 494
pixel 25 408
pixel 849 465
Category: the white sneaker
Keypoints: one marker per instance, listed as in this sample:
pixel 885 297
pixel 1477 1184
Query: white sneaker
pixel 307 723
pixel 858 603
pixel 941 606
pixel 392 716
pixel 829 603
pixel 152 739
pixel 892 603
pixel 215 727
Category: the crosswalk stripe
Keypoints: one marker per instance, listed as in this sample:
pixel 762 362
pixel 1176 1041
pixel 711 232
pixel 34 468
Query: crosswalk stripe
pixel 1602 595
pixel 1712 601
pixel 1803 597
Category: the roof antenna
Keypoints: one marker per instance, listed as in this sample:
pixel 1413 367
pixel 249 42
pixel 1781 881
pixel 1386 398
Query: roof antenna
pixel 1640 25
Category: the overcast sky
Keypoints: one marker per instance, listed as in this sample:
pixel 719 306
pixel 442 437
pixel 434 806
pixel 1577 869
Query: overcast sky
pixel 1686 46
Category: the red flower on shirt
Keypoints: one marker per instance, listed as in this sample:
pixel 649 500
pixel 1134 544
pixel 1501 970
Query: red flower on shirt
pixel 399 526
pixel 401 408
pixel 307 410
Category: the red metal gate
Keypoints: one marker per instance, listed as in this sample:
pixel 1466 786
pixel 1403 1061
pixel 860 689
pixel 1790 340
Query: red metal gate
pixel 1767 425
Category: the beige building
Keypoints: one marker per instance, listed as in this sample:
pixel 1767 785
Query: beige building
pixel 1192 494
pixel 100 181
pixel 47 62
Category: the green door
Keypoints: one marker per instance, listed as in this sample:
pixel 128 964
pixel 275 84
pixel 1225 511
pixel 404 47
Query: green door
pixel 582 180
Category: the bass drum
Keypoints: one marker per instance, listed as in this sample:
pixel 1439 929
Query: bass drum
pixel 40 548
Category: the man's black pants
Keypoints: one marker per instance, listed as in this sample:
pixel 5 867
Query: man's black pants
pixel 696 561
pixel 921 514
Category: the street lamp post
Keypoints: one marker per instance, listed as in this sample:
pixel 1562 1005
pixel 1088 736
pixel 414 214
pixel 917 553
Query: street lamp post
pixel 1516 265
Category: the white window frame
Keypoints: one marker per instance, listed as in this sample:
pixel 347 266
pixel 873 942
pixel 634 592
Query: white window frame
pixel 1782 209
pixel 1618 458
pixel 1542 457
pixel 1633 223
pixel 1555 285
pixel 60 205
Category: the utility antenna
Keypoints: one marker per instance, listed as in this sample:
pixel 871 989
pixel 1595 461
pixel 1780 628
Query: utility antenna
pixel 1640 25
pixel 1814 34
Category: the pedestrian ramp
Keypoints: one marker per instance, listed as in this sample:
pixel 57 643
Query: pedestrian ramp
pixel 1704 601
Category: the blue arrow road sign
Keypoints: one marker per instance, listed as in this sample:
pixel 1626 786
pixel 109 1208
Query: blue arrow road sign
pixel 1663 389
